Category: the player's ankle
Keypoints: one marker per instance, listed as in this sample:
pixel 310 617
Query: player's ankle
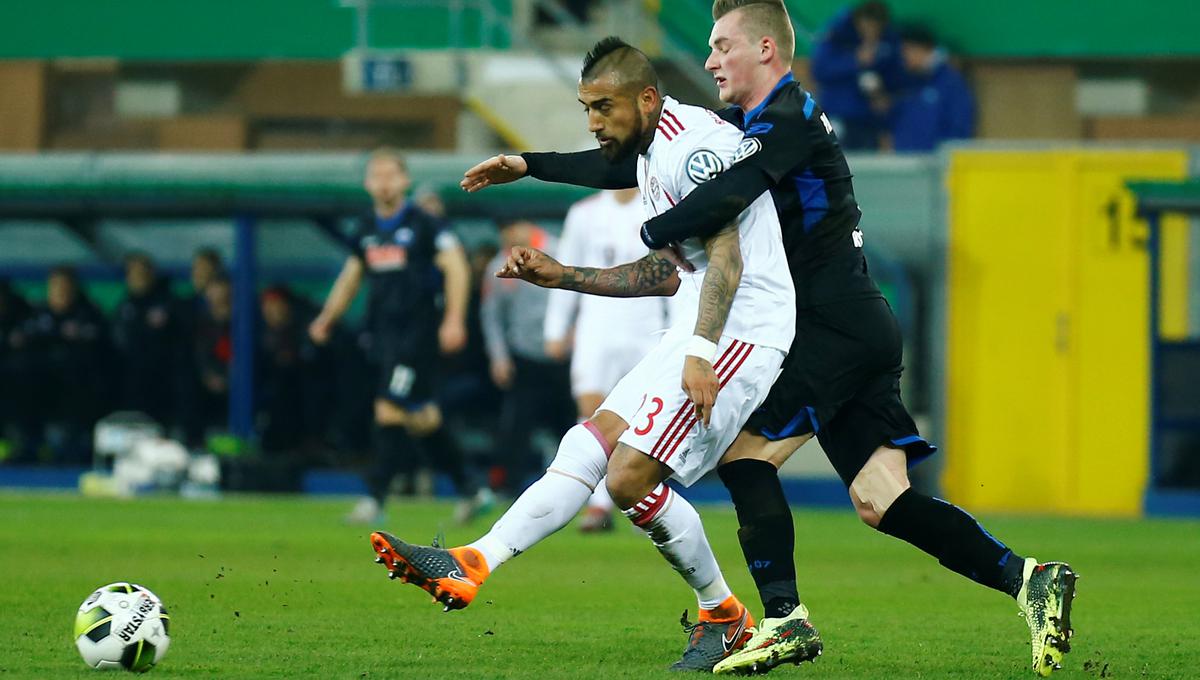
pixel 728 610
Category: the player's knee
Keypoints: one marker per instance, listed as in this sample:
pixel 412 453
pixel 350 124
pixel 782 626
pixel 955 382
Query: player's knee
pixel 878 484
pixel 868 515
pixel 622 487
pixel 631 475
pixel 388 414
pixel 425 421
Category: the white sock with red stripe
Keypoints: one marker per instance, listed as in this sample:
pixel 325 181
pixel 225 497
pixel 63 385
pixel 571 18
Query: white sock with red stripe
pixel 551 502
pixel 675 528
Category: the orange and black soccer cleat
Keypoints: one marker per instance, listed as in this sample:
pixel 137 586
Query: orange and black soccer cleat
pixel 719 633
pixel 451 576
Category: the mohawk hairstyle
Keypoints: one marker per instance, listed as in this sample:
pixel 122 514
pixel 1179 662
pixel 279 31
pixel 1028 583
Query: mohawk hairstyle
pixel 629 65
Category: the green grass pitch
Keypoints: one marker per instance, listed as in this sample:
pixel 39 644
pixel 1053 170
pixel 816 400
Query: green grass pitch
pixel 279 588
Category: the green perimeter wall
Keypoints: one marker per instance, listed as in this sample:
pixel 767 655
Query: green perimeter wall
pixel 319 29
pixel 173 30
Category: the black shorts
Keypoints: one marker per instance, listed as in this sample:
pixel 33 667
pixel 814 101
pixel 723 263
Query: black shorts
pixel 405 376
pixel 841 381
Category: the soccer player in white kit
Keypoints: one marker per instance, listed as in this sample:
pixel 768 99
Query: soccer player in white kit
pixel 601 231
pixel 650 427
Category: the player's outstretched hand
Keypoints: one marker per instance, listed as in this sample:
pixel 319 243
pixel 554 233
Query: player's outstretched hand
pixel 700 384
pixel 500 169
pixel 532 265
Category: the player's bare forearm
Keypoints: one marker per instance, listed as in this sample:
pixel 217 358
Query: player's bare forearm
pixel 650 276
pixel 721 281
pixel 344 289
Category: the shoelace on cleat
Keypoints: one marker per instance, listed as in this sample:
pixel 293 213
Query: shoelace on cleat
pixel 691 628
pixel 688 626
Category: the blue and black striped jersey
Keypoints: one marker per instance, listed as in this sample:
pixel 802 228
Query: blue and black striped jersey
pixel 791 150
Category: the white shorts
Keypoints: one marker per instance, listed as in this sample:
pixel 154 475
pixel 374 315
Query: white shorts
pixel 662 420
pixel 598 365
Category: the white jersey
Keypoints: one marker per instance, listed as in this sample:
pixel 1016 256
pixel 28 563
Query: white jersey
pixel 601 232
pixel 693 145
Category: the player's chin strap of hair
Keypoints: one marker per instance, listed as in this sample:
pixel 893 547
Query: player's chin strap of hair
pixel 702 348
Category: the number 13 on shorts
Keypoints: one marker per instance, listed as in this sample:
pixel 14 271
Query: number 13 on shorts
pixel 656 407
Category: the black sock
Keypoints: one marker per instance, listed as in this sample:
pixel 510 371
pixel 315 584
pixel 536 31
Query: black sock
pixel 955 539
pixel 393 454
pixel 767 535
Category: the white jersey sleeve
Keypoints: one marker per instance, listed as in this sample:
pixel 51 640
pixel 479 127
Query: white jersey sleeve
pixel 564 304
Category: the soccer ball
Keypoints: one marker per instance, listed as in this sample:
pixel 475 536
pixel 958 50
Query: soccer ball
pixel 122 625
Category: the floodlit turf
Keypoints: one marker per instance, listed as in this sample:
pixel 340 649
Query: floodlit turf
pixel 279 588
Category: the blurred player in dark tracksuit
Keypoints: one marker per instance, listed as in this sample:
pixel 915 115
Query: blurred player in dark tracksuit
pixel 193 316
pixel 419 288
pixel 293 380
pixel 537 386
pixel 211 357
pixel 70 350
pixel 146 331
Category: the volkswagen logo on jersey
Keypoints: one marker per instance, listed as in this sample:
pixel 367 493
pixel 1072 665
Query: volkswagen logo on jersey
pixel 746 149
pixel 703 165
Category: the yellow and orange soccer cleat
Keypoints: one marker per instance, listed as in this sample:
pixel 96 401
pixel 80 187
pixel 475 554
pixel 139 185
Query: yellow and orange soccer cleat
pixel 789 639
pixel 451 576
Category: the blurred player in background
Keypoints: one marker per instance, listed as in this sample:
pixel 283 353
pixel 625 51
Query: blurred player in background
pixel 417 309
pixel 841 379
pixel 535 385
pixel 601 231
pixel 146 332
pixel 211 357
pixel 70 346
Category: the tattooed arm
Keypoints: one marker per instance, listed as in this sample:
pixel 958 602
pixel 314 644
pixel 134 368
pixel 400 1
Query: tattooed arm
pixel 652 275
pixel 721 281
